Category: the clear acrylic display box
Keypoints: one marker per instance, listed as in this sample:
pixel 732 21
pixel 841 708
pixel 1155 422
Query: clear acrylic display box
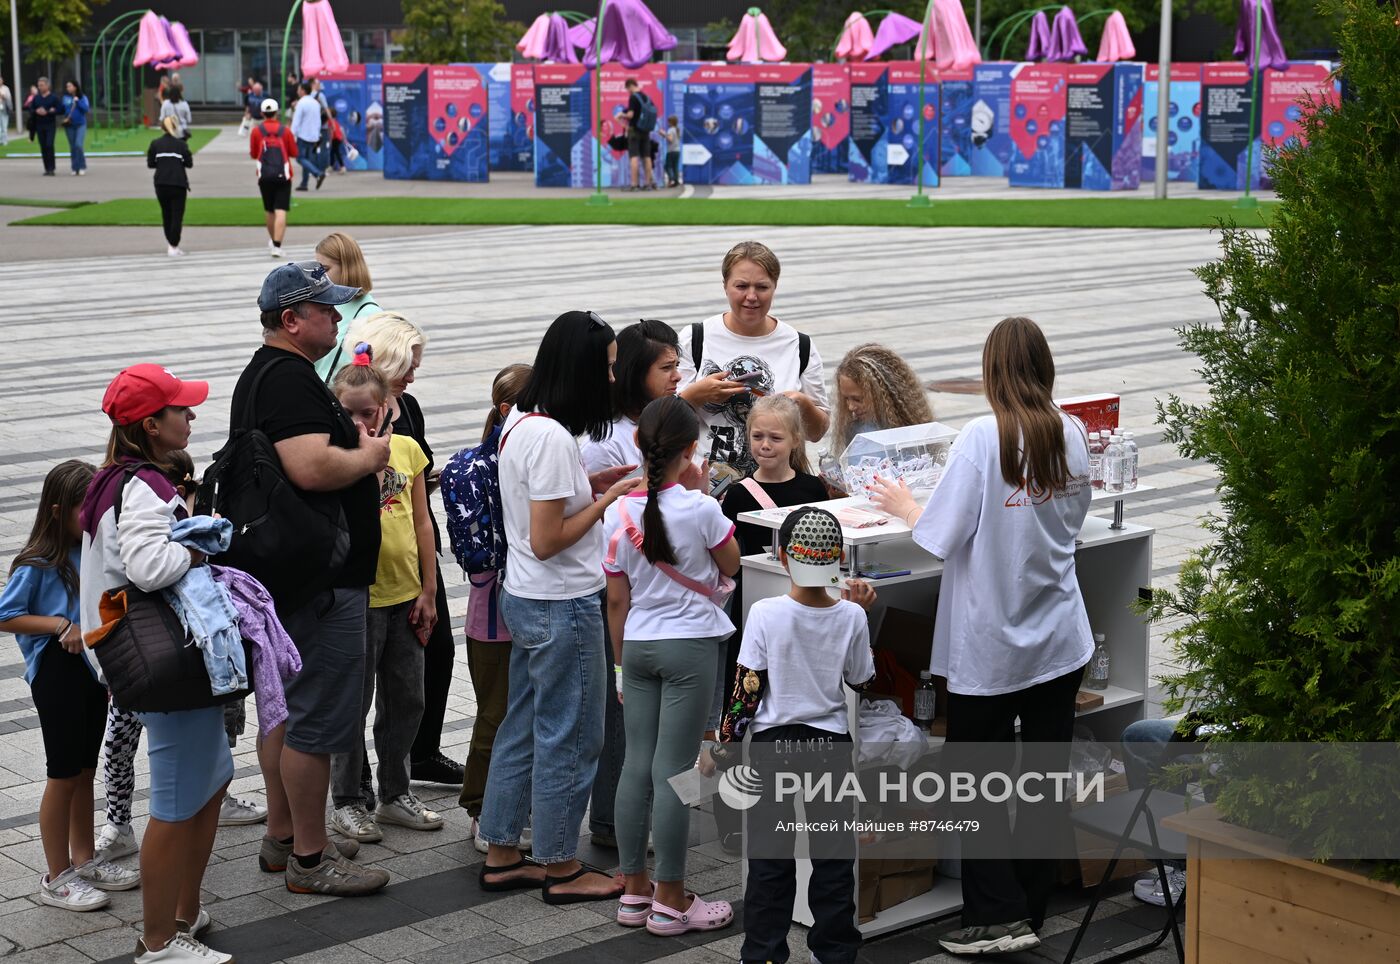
pixel 914 453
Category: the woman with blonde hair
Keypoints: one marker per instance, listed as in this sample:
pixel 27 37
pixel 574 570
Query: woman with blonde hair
pixel 169 156
pixel 877 389
pixel 345 265
pixel 1012 635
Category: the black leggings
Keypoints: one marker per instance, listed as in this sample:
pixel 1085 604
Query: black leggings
pixel 172 211
pixel 437 679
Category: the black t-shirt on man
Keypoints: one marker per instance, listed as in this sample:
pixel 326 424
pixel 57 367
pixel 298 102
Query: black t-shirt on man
pixel 293 401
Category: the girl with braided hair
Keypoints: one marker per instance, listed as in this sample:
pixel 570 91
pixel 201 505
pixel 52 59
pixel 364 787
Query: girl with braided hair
pixel 878 390
pixel 667 567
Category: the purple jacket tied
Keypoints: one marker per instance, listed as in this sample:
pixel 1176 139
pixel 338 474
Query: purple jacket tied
pixel 275 656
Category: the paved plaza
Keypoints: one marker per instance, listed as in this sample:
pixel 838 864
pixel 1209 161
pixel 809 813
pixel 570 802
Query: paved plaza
pixel 1108 301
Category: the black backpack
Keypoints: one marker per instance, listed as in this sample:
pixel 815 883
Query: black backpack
pixel 697 347
pixel 273 159
pixel 293 542
pixel 645 121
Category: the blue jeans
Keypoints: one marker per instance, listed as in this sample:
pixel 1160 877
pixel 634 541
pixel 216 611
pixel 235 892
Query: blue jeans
pixel 76 136
pixel 555 716
pixel 308 153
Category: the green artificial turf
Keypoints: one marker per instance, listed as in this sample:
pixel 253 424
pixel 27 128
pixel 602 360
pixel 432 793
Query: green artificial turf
pixel 103 140
pixel 34 202
pixel 573 209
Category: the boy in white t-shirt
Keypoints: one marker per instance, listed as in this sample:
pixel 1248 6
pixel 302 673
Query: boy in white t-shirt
pixel 800 651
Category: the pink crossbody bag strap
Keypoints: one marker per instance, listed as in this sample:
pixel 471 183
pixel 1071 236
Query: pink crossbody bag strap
pixel 764 500
pixel 715 594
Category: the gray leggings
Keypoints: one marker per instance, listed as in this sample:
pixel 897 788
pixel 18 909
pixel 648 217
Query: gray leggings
pixel 668 686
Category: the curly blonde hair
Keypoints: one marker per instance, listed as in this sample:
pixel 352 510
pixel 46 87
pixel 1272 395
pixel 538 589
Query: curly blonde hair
pixel 896 396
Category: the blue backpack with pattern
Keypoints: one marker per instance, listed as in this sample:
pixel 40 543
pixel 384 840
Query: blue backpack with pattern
pixel 471 494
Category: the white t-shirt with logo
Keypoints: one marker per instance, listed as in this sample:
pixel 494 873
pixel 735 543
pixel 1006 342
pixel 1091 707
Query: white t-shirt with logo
pixel 661 607
pixel 723 434
pixel 1010 613
pixel 808 653
pixel 540 462
pixel 618 448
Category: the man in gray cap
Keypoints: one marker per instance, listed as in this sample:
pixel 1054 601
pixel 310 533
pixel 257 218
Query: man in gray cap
pixel 321 451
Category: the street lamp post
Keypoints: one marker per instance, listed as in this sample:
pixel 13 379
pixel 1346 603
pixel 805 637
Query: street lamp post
pixel 1164 69
pixel 1248 200
pixel 14 52
pixel 920 199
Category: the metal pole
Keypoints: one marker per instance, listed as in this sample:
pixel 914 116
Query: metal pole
pixel 1249 201
pixel 977 25
pixel 106 66
pixel 598 198
pixel 14 52
pixel 922 51
pixel 286 35
pixel 1164 72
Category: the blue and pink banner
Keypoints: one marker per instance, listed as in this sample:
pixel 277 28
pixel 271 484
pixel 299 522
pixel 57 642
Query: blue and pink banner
pixel 1182 127
pixel 748 124
pixel 887 114
pixel 435 123
pixel 831 118
pixel 356 94
pixel 957 97
pixel 1038 106
pixel 1103 126
pixel 564 145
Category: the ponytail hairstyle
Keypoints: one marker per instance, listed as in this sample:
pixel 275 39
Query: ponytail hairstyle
pixel 785 410
pixel 667 427
pixel 894 392
pixel 362 373
pixel 504 390
pixel 50 543
pixel 1018 375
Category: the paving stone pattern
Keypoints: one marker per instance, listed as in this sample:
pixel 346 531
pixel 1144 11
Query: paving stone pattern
pixel 1108 301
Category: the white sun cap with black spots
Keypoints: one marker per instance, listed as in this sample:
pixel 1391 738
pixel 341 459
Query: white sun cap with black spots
pixel 811 537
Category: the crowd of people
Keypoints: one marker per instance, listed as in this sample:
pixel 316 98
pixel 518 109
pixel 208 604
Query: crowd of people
pixel 606 646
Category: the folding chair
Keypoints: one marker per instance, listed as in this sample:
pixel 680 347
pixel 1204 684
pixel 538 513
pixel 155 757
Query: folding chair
pixel 1133 821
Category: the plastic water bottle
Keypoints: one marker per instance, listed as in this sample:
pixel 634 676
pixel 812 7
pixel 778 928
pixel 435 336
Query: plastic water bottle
pixel 1095 462
pixel 1113 464
pixel 924 701
pixel 1130 455
pixel 1099 665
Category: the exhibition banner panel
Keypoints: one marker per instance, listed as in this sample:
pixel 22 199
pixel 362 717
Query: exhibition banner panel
pixel 652 80
pixel 1226 95
pixel 748 124
pixel 519 151
pixel 1183 126
pixel 956 99
pixel 1285 94
pixel 1103 126
pixel 502 138
pixel 989 119
pixel 436 123
pixel 1038 106
pixel 357 96
pixel 563 126
pixel 831 118
pixel 677 74
pixel 885 121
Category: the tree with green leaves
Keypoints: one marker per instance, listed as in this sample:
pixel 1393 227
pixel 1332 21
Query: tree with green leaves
pixel 451 31
pixel 46 27
pixel 1287 622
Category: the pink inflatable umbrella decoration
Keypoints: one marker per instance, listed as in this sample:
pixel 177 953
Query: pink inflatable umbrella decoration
pixel 1039 46
pixel 152 42
pixel 557 45
pixel 1065 41
pixel 755 41
pixel 894 30
pixel 322 49
pixel 856 38
pixel 188 56
pixel 1270 52
pixel 631 35
pixel 531 45
pixel 953 46
pixel 1116 43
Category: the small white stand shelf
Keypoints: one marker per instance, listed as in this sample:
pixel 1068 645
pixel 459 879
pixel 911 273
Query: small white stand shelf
pixel 1113 561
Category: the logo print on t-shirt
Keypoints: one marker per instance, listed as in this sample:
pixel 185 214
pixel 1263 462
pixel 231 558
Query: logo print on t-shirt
pixel 729 441
pixel 1036 495
pixel 390 489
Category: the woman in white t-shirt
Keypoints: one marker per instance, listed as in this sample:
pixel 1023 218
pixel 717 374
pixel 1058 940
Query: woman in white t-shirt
pixel 546 749
pixel 746 353
pixel 1012 635
pixel 668 543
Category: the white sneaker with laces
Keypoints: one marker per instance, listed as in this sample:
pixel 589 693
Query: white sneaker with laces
pixel 1148 887
pixel 355 822
pixel 173 252
pixel 274 250
pixel 481 845
pixel 240 812
pixel 115 842
pixel 406 810
pixel 105 875
pixel 181 949
pixel 71 892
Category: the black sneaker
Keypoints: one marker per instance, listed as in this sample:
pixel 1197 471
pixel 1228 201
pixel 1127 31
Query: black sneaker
pixel 320 179
pixel 438 769
pixel 991 939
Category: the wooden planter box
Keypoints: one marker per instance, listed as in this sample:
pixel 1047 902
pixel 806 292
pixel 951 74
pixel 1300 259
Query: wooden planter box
pixel 1249 902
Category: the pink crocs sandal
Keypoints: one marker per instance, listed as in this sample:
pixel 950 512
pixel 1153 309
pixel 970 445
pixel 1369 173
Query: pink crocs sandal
pixel 702 915
pixel 634 909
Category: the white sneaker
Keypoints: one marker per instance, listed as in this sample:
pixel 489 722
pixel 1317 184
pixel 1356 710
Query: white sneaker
pixel 481 845
pixel 114 842
pixel 1148 888
pixel 173 252
pixel 406 810
pixel 105 875
pixel 181 949
pixel 202 920
pixel 355 822
pixel 71 892
pixel 274 250
pixel 240 812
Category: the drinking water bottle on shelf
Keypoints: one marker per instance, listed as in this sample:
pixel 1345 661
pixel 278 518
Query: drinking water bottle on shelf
pixel 1130 464
pixel 1095 462
pixel 1096 677
pixel 1113 464
pixel 924 701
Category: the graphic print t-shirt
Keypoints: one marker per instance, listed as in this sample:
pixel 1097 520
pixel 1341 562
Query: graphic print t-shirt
pixel 774 356
pixel 398 579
